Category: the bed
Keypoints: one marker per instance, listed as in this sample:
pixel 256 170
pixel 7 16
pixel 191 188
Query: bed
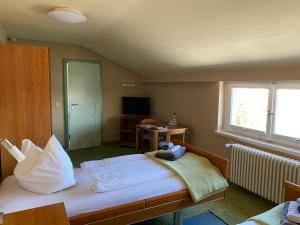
pixel 126 206
pixel 272 216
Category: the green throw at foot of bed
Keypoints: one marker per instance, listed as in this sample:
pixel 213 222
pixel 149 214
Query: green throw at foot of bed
pixel 201 177
pixel 271 217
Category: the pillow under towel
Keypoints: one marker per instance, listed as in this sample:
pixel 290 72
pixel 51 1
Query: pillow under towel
pixel 51 172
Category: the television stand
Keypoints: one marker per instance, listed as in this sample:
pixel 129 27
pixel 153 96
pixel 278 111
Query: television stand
pixel 128 130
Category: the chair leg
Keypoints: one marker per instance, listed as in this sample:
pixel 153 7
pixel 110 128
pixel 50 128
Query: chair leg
pixel 178 218
pixel 142 142
pixel 137 138
pixel 142 146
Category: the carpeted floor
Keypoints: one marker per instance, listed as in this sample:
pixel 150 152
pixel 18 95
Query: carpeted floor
pixel 203 219
pixel 238 205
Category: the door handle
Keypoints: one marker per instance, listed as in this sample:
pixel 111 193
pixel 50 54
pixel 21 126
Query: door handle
pixel 74 104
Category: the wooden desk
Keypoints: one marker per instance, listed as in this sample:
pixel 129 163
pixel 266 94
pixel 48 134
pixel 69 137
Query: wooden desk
pixel 46 215
pixel 154 140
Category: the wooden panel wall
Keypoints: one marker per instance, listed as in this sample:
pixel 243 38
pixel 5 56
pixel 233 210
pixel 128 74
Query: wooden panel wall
pixel 25 105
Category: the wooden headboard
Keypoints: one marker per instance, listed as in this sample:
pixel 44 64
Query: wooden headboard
pixel 291 191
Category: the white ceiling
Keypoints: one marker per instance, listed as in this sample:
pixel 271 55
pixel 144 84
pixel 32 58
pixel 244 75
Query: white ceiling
pixel 160 36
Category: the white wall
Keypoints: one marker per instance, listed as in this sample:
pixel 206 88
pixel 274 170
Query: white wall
pixel 195 96
pixel 113 75
pixel 196 105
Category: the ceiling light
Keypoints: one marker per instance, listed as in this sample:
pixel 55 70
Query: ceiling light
pixel 67 15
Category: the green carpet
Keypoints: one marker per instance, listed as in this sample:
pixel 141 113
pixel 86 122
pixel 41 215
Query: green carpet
pixel 238 205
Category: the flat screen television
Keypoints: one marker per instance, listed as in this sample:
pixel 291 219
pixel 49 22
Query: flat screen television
pixel 136 106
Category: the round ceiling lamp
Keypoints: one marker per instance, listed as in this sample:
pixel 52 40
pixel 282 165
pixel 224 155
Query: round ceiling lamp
pixel 67 15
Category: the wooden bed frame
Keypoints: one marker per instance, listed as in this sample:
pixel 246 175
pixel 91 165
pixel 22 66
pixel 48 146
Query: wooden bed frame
pixel 291 191
pixel 149 208
pixel 153 207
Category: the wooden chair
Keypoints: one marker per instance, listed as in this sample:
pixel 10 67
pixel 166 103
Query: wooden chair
pixel 179 131
pixel 140 133
pixel 148 136
pixel 149 121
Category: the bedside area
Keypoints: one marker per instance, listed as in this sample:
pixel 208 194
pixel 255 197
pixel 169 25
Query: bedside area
pixel 46 215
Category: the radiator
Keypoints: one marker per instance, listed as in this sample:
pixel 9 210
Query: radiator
pixel 262 173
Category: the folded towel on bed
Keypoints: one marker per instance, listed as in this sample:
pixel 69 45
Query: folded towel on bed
pixel 298 203
pixel 171 154
pixel 293 215
pixel 284 217
pixel 172 149
pixel 165 145
pixel 175 148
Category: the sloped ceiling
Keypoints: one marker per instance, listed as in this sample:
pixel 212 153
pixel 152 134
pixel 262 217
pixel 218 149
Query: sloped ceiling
pixel 165 36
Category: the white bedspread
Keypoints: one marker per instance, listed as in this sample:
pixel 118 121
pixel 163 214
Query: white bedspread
pixel 121 172
pixel 80 199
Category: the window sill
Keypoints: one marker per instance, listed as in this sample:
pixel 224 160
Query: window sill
pixel 286 151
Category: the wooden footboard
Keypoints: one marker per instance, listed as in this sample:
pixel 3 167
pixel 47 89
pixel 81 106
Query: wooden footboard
pixel 153 207
pixel 141 210
pixel 291 191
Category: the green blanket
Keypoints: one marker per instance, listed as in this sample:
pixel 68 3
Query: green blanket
pixel 271 217
pixel 201 177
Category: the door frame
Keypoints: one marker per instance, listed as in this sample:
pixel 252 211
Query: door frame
pixel 66 99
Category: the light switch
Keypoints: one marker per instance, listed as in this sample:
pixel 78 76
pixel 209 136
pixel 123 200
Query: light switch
pixel 57 104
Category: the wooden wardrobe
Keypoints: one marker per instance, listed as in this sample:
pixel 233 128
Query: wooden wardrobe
pixel 25 105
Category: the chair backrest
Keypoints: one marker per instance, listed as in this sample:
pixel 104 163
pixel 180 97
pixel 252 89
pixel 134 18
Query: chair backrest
pixel 149 121
pixel 179 131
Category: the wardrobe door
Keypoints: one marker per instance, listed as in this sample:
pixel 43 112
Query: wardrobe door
pixel 25 107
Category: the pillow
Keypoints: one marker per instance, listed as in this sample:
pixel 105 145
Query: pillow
pixel 31 152
pixel 51 172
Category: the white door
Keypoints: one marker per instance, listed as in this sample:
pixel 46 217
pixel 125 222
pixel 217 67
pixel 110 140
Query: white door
pixel 84 104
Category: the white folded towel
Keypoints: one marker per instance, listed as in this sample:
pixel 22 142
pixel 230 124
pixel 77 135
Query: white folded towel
pixel 293 214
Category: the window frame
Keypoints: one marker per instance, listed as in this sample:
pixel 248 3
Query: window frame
pixel 269 135
pixel 277 138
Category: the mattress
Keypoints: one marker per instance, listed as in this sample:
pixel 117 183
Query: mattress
pixel 79 198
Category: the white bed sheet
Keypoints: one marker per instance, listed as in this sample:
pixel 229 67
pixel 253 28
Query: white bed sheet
pixel 121 172
pixel 80 199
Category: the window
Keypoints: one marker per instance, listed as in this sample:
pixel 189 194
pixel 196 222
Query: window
pixel 248 108
pixel 265 111
pixel 287 111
